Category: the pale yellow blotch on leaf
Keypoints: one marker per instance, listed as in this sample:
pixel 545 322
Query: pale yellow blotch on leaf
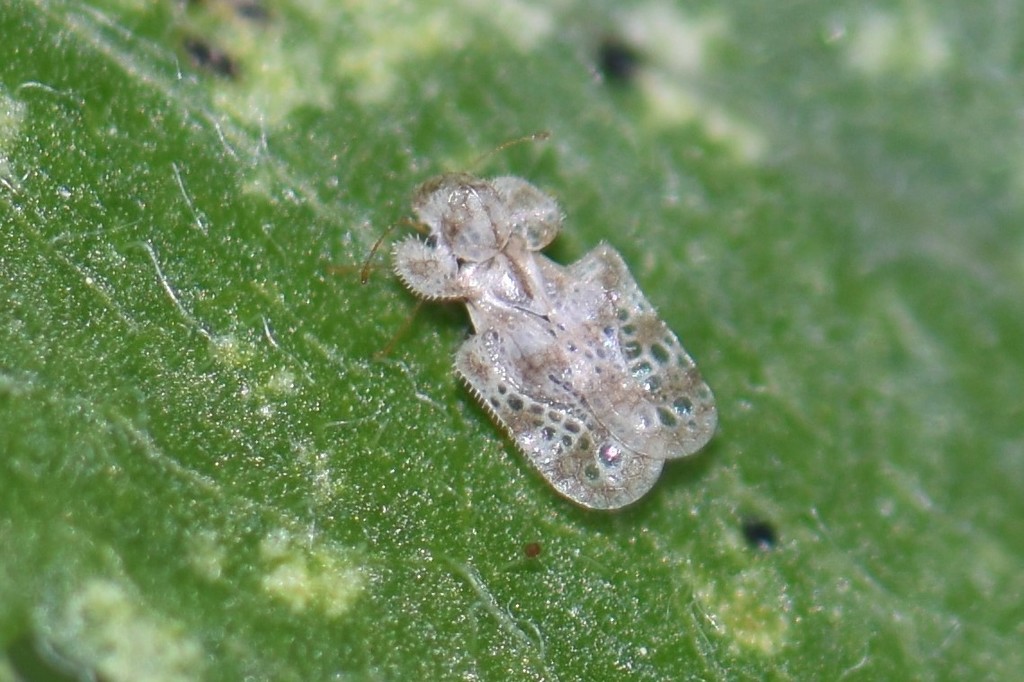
pixel 12 115
pixel 207 554
pixel 282 382
pixel 106 628
pixel 881 42
pixel 231 351
pixel 679 48
pixel 278 73
pixel 394 35
pixel 309 578
pixel 751 609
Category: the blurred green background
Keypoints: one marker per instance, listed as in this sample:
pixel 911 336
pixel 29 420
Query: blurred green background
pixel 207 473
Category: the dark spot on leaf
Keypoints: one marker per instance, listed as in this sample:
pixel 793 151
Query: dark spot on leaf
pixel 252 10
pixel 760 534
pixel 209 58
pixel 616 61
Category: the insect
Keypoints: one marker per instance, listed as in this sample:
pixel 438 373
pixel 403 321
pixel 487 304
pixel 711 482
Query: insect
pixel 572 361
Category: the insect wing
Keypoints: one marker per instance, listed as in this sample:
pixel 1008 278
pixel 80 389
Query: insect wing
pixel 578 455
pixel 649 393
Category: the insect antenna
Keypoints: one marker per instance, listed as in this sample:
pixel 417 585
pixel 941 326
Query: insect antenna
pixel 399 333
pixel 539 136
pixel 364 271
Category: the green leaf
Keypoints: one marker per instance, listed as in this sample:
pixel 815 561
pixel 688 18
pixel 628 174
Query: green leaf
pixel 207 470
